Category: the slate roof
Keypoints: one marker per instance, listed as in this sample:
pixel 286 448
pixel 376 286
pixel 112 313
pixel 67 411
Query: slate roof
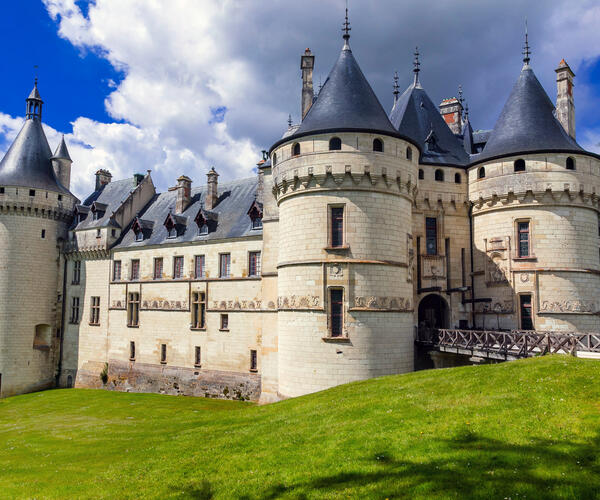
pixel 61 151
pixel 112 195
pixel 232 220
pixel 467 137
pixel 527 123
pixel 416 117
pixel 27 162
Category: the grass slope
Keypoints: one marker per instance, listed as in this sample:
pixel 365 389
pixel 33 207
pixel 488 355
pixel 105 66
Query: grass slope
pixel 526 429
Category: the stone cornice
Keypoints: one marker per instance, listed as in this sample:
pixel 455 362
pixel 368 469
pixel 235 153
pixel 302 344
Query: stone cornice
pixel 46 211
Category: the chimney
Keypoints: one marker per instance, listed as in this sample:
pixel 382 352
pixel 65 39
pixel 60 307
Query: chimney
pixel 212 196
pixel 184 193
pixel 451 111
pixel 307 63
pixel 565 106
pixel 103 177
pixel 137 178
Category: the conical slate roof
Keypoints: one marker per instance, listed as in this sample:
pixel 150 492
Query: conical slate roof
pixel 527 123
pixel 346 102
pixel 34 94
pixel 27 162
pixel 415 116
pixel 467 135
pixel 62 152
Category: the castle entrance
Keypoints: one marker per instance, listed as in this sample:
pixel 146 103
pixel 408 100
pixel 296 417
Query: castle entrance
pixel 433 313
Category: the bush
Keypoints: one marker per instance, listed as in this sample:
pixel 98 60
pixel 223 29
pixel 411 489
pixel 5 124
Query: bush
pixel 104 374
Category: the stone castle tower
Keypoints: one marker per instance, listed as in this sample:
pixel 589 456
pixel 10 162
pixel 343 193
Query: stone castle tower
pixel 36 208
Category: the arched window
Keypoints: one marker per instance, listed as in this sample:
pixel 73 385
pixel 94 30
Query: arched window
pixel 439 175
pixel 296 150
pixel 421 174
pixel 409 153
pixel 520 165
pixel 481 172
pixel 457 178
pixel 378 145
pixel 570 163
pixel 274 159
pixel 335 144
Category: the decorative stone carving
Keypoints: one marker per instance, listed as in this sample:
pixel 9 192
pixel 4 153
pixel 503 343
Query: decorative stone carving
pixel 336 271
pixel 382 304
pixel 524 277
pixel 299 302
pixel 497 307
pixel 236 305
pixel 568 306
pixel 164 305
pixel 433 266
pixel 410 252
pixel 118 304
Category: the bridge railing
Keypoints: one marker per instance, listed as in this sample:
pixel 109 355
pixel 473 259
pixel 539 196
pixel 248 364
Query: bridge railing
pixel 518 343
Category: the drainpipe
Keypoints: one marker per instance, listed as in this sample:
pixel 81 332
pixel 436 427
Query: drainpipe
pixel 472 269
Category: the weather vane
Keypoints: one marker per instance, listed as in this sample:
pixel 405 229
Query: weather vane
pixel 346 26
pixel 396 91
pixel 526 51
pixel 416 65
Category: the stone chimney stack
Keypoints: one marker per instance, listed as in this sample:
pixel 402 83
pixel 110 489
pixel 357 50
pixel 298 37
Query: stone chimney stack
pixel 103 177
pixel 451 110
pixel 565 106
pixel 184 193
pixel 307 63
pixel 212 195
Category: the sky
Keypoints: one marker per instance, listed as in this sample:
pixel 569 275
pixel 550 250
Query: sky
pixel 178 86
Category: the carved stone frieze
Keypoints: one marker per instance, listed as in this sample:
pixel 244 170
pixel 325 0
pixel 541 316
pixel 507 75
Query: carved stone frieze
pixel 240 305
pixel 164 305
pixel 299 302
pixel 410 251
pixel 496 307
pixel 568 306
pixel 433 266
pixel 382 303
pixel 118 304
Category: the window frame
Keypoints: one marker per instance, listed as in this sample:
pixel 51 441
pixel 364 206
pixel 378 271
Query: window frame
pixel 75 310
pixel 117 263
pixel 163 354
pixel 296 149
pixel 439 175
pixel 457 178
pixel 257 263
pixel 331 220
pixel 421 174
pixel 573 163
pixel 531 309
pixel 197 356
pixel 429 237
pixel 202 274
pixel 224 322
pixel 481 173
pixel 134 265
pixel 332 144
pixel 76 272
pixel 253 360
pixel 519 165
pixel 330 313
pixel 94 311
pixel 409 153
pixel 132 350
pixel 222 274
pixel 198 310
pixel 380 144
pixel 518 232
pixel 133 309
pixel 158 263
pixel 178 267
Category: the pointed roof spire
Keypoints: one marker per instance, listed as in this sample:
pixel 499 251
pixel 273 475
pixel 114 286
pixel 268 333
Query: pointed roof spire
pixel 396 91
pixel 62 153
pixel 526 51
pixel 460 95
pixel 417 67
pixel 346 29
pixel 33 107
pixel 466 111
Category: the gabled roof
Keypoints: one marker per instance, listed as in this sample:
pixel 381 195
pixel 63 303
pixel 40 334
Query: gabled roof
pixel 27 162
pixel 527 123
pixel 415 116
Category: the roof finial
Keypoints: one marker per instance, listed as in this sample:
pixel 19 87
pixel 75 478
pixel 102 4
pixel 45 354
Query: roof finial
pixel 526 51
pixel 346 29
pixel 466 111
pixel 289 120
pixel 320 85
pixel 417 66
pixel 396 91
pixel 460 95
pixel 35 71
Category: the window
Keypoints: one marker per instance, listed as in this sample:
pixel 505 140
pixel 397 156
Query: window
pixel 139 236
pixel 409 153
pixel 2 190
pixel 135 270
pixel 95 215
pixel 256 223
pixel 431 235
pixel 117 270
pixel 76 272
pixel 254 264
pixel 95 311
pixel 570 164
pixel 421 174
pixel 337 226
pixel 224 265
pixel 172 232
pixel 296 149
pixel 481 173
pixel 439 175
pixel 199 266
pixel 336 312
pixel 523 239
pixel 113 233
pixel 163 353
pixel 335 144
pixel 457 178
pixel 133 309
pixel 378 145
pixel 519 165
pixel 98 233
pixel 75 310
pixel 253 360
pixel 59 197
pixel 43 233
pixel 158 268
pixel 177 268
pixel 203 230
pixel 32 192
pixel 526 312
pixel 224 322
pixel 197 356
pixel 132 351
pixel 198 310
pixel 274 159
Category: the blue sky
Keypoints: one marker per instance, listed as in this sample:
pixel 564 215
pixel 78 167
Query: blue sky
pixel 181 85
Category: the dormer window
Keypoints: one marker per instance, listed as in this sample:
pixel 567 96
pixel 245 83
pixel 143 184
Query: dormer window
pixel 175 225
pixel 256 213
pixel 98 210
pixel 139 236
pixel 141 228
pixel 203 230
pixel 206 222
pixel 257 223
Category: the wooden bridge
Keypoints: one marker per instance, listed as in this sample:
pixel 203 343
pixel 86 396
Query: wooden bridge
pixel 506 345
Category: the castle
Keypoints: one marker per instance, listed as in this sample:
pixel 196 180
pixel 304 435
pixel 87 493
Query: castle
pixel 359 227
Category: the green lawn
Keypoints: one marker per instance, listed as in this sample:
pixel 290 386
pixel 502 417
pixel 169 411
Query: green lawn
pixel 525 429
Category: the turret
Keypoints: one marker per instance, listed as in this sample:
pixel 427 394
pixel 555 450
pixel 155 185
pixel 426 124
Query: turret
pixel 61 161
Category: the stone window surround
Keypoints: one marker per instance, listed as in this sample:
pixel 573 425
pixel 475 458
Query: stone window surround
pixel 344 336
pixel 345 247
pixel 515 252
pixel 533 308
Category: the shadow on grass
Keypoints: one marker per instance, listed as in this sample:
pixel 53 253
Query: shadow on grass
pixel 478 468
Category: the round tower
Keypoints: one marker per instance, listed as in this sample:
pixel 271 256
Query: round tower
pixel 535 220
pixel 344 189
pixel 35 211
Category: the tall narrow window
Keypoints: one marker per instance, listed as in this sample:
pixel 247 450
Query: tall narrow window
pixel 75 310
pixel 457 178
pixel 519 165
pixel 76 272
pixel 409 153
pixel 117 270
pixel 199 266
pixel 256 223
pixel 135 270
pixel 95 311
pixel 337 226
pixel 570 164
pixel 224 322
pixel 198 310
pixel 335 144
pixel 177 268
pixel 254 264
pixel 431 235
pixel 336 312
pixel 197 356
pixel 225 265
pixel 378 145
pixel 133 309
pixel 158 268
pixel 296 150
pixel 526 312
pixel 253 360
pixel 439 175
pixel 163 353
pixel 523 235
pixel 132 351
pixel 481 172
pixel 421 174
